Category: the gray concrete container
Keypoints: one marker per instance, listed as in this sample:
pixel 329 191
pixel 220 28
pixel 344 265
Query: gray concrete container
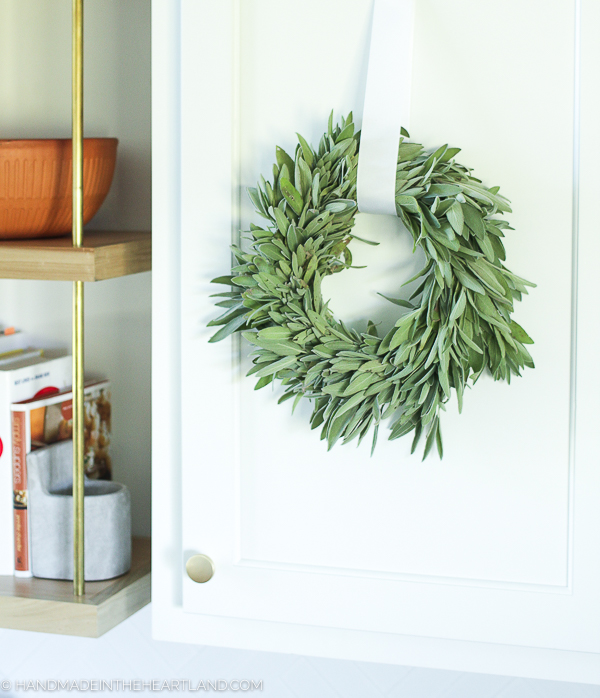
pixel 107 507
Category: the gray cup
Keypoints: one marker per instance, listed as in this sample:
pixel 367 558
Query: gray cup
pixel 107 508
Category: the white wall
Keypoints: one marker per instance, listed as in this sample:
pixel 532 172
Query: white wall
pixel 35 102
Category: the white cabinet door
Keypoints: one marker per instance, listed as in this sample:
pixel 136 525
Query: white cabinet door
pixel 486 561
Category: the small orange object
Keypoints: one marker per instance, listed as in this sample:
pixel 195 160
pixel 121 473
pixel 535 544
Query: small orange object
pixel 9 330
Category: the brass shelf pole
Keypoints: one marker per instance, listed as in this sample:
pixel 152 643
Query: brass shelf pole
pixel 78 426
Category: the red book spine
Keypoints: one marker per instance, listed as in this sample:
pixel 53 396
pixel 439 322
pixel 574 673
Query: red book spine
pixel 19 461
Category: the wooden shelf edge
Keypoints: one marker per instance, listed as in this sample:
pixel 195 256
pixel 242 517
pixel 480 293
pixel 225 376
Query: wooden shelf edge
pixel 104 255
pixel 48 606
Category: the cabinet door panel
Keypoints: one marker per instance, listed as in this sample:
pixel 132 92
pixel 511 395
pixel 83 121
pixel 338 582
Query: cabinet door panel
pixel 494 543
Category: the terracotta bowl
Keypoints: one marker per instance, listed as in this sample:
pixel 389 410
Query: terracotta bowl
pixel 35 184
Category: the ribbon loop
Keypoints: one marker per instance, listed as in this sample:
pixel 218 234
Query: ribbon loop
pixel 387 104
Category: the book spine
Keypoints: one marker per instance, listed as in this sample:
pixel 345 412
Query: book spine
pixel 20 494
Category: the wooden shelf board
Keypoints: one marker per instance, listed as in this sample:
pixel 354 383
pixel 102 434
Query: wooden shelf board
pixel 104 255
pixel 48 605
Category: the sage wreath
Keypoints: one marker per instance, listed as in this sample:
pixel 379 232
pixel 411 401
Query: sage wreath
pixel 457 325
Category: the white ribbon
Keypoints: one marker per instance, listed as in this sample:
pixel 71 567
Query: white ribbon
pixel 387 104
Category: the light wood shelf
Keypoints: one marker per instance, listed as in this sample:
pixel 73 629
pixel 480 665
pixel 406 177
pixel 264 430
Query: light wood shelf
pixel 49 606
pixel 104 255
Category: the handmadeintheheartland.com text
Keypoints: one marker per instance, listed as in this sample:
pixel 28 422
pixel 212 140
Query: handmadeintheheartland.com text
pixel 117 685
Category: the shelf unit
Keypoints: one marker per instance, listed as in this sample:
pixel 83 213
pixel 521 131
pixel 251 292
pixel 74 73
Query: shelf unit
pixel 104 255
pixel 49 605
pixel 54 606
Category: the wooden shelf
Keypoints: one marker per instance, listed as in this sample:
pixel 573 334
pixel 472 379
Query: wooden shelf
pixel 48 605
pixel 105 255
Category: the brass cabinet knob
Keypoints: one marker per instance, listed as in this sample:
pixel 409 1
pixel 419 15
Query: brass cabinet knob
pixel 200 568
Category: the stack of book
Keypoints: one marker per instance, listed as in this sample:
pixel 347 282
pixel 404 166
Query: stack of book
pixel 35 386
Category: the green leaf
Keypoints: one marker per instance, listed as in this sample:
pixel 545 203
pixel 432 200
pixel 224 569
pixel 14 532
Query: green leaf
pixel 459 307
pixel 230 314
pixel 281 348
pixel 468 281
pixel 375 432
pixel 284 159
pixel 275 333
pixel 438 439
pixel 307 152
pixel 282 220
pixel 486 306
pixel 286 362
pixel 316 197
pixel 265 380
pixel 341 206
pixel 226 294
pixel 498 247
pixel 409 203
pixel 311 268
pixel 519 333
pixel 347 132
pixel 318 223
pixel 317 300
pixel 285 396
pixel 256 200
pixel 455 217
pixel 271 251
pixel 304 180
pixel 367 242
pixel 317 321
pixel 360 382
pixel 291 195
pixel 443 190
pixel 418 430
pixel 228 329
pixel 473 219
pixel 431 437
pixel 292 238
pixel 485 243
pixel 346 405
pixel 400 336
pixel 247 281
pixel 486 274
pixel 222 280
pixel 449 154
pixel 423 272
pixel 409 151
pixel 444 382
pixel 470 343
pixel 398 301
pixel 336 427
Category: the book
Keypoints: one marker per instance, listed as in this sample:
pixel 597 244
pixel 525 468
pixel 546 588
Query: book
pixel 9 357
pixel 47 419
pixel 21 378
pixel 15 341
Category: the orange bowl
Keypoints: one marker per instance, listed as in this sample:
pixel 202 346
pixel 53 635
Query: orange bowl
pixel 36 182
